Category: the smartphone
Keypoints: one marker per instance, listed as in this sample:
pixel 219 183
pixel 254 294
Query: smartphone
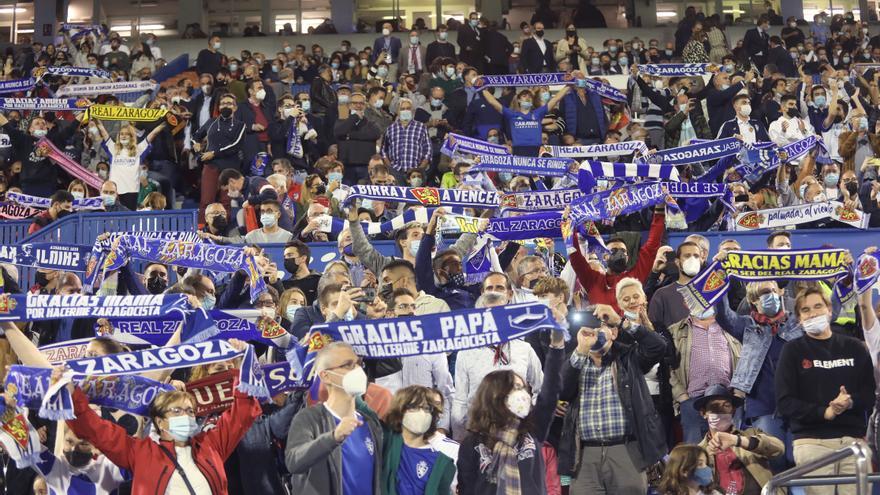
pixel 583 318
pixel 369 295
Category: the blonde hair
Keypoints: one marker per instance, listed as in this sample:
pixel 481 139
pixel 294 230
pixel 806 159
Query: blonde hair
pixel 161 403
pixel 132 145
pixel 628 282
pixel 155 200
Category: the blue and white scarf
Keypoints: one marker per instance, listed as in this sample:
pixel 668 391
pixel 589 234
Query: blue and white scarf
pixel 597 150
pixel 697 152
pixel 522 165
pixel 547 79
pixel 47 104
pixel 529 226
pixel 671 70
pixel 867 271
pixel 121 87
pixel 427 196
pixel 457 143
pixel 590 169
pixel 47 256
pixel 554 199
pixel 32 307
pixel 201 255
pixel 70 71
pixel 44 203
pixel 803 264
pixel 619 201
pixel 130 393
pixel 14 85
pixel 756 160
pixel 604 90
pixel 786 216
pixel 58 404
pixel 433 333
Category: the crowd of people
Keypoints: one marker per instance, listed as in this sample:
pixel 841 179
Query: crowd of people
pixel 648 395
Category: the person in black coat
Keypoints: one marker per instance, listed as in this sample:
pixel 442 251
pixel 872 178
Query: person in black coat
pixel 470 42
pixel 498 50
pixel 256 137
pixel 756 42
pixel 210 59
pixel 537 53
pixel 324 104
pixel 198 103
pixel 293 119
pixel 440 47
pixel 356 138
pixel 778 55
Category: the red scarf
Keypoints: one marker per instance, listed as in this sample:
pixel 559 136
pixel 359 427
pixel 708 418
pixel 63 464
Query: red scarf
pixel 773 322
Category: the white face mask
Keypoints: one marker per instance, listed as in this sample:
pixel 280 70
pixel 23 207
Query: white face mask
pixel 354 383
pixel 745 110
pixel 124 141
pixel 520 403
pixel 691 266
pixel 719 422
pixel 815 325
pixel 260 95
pixel 417 422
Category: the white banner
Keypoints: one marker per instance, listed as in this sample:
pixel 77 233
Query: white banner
pixel 799 214
pixel 106 88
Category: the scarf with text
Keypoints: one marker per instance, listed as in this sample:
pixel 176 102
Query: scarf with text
pixel 15 85
pixel 101 250
pixel 31 307
pixel 47 256
pixel 554 199
pixel 130 393
pixel 672 70
pixel 522 165
pixel 73 168
pixel 46 104
pixel 804 264
pixel 546 79
pixel 604 90
pixel 57 403
pixel 64 351
pixel 774 218
pixel 428 334
pixel 70 71
pixel 214 394
pixel 122 112
pixel 15 211
pixel 457 143
pixel 597 150
pixel 211 257
pixel 44 203
pixel 696 152
pixel 758 159
pixel 427 196
pixel 121 87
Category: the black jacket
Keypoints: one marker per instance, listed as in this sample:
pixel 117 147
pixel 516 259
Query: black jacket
pixel 437 49
pixel 324 100
pixel 635 354
pixel 356 138
pixel 224 138
pixel 39 174
pixel 498 48
pixel 470 43
pixel 532 61
pixel 250 143
pixel 780 57
pixel 756 42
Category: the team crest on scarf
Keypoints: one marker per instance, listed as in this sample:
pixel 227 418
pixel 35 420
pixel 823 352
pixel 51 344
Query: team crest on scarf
pixel 90 266
pixel 317 341
pixel 14 424
pixel 848 214
pixel 508 201
pixel 269 328
pixel 750 221
pixel 868 267
pixel 428 196
pixel 7 304
pixel 715 281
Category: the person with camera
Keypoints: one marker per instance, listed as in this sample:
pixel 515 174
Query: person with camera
pixel 611 433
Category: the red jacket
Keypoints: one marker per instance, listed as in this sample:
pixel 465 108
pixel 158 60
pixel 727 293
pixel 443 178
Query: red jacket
pixel 601 288
pixel 151 469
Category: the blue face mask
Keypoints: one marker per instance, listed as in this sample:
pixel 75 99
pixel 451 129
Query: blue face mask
pixel 832 179
pixel 436 102
pixel 492 139
pixel 367 204
pixel 601 340
pixel 291 311
pixel 474 22
pixel 306 105
pixel 337 176
pixel 208 302
pixel 181 428
pixel 108 199
pixel 623 61
pixel 505 176
pixel 414 246
pixel 703 476
pixel 582 83
pixel 819 101
pixel 708 313
pixel 268 220
pixel 335 65
pixel 771 304
pixel 545 96
pixel 525 105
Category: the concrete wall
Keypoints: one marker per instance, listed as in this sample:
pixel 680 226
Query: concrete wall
pixel 331 42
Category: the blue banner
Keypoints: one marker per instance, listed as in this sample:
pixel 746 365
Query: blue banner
pixel 604 90
pixel 31 307
pixel 70 71
pixel 698 152
pixel 597 150
pixel 47 104
pixel 618 201
pixel 531 226
pixel 547 79
pixel 44 203
pixel 554 199
pixel 47 256
pixel 457 143
pixel 17 85
pixel 157 331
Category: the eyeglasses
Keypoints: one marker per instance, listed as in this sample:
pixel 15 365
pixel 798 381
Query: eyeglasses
pixel 349 365
pixel 411 307
pixel 264 304
pixel 177 411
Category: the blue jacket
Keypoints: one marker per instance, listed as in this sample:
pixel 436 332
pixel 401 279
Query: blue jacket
pixel 379 47
pixel 480 117
pixel 570 103
pixel 731 128
pixel 756 340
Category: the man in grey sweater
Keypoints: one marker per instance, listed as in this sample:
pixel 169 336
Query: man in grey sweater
pixel 333 448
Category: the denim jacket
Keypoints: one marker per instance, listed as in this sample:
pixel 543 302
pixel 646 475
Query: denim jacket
pixel 755 340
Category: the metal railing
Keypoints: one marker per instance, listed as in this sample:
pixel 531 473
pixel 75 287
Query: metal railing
pixel 796 475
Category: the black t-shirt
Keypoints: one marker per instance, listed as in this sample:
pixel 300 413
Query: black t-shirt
pixel 809 375
pixel 307 284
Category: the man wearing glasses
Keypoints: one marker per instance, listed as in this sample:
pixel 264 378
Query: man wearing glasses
pixel 336 447
pixel 356 137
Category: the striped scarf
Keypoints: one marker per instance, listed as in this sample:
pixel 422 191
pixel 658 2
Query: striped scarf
pixel 503 469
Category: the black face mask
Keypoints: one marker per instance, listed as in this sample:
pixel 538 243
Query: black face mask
pixel 63 213
pixel 794 112
pixel 617 261
pixel 291 266
pixel 852 188
pixel 226 112
pixel 77 458
pixel 157 284
pixel 539 33
pixel 571 34
pixel 219 223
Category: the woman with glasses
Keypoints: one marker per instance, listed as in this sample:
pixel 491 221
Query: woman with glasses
pixel 184 460
pixel 411 465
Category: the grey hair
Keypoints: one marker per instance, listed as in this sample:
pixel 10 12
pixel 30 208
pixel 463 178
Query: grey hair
pixel 327 278
pixel 321 358
pixel 490 299
pixel 628 282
